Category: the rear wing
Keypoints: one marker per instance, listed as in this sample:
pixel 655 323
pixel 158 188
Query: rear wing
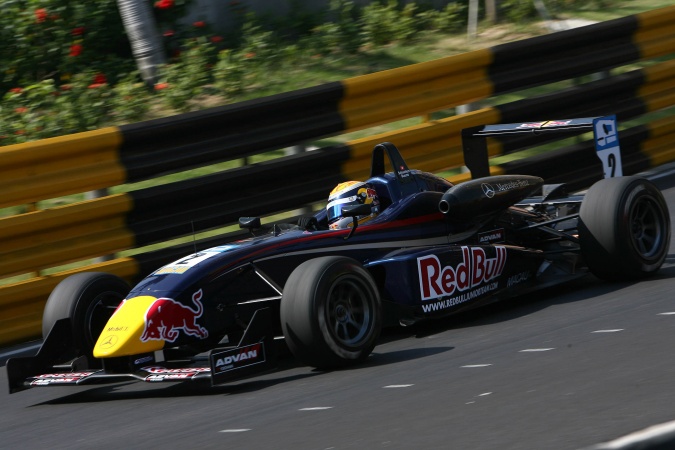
pixel 604 129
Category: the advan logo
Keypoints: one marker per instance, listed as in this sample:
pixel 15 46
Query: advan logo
pixel 238 358
pixel 165 317
pixel 474 269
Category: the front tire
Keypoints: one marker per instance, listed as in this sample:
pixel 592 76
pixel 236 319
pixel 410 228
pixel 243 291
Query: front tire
pixel 88 300
pixel 331 313
pixel 624 228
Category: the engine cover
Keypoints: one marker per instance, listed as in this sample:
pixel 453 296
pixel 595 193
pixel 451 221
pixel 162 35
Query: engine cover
pixel 485 196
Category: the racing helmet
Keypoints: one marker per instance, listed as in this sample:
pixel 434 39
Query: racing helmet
pixel 350 193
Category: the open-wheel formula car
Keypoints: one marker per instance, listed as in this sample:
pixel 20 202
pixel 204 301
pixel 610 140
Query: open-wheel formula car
pixel 432 249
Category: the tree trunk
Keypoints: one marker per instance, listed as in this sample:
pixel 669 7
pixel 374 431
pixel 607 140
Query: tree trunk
pixel 491 11
pixel 145 40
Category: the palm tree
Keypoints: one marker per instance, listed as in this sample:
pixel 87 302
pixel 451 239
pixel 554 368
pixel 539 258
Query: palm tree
pixel 146 42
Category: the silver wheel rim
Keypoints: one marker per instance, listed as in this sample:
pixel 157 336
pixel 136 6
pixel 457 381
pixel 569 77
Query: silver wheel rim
pixel 647 228
pixel 349 311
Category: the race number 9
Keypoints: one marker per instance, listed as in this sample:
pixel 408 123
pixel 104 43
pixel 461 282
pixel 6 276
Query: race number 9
pixel 606 137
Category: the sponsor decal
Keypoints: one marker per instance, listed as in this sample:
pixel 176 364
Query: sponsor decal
pixel 474 270
pixel 165 318
pixel 489 237
pixel 238 358
pixel 184 370
pixel 144 360
pixel 45 382
pixel 488 190
pixel 170 377
pixel 518 278
pixel 59 378
pixel 531 125
pixel 444 304
pixel 184 264
pixel 512 185
pixel 109 341
pixel 556 123
pixel 65 375
pixel 545 124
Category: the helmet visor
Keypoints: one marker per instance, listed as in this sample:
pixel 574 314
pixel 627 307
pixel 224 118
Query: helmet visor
pixel 334 208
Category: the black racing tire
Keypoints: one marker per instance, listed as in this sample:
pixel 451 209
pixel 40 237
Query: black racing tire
pixel 331 314
pixel 624 228
pixel 88 299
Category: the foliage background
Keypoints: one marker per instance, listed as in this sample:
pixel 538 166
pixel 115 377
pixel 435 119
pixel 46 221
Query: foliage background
pixel 67 65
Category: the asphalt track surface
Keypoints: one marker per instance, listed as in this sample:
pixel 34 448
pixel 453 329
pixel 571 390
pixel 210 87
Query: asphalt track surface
pixel 561 369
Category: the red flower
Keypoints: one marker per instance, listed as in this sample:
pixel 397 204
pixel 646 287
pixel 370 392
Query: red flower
pixel 169 33
pixel 20 132
pixel 160 86
pixel 164 4
pixel 21 110
pixel 95 85
pixel 16 90
pixel 216 39
pixel 79 31
pixel 75 50
pixel 100 78
pixel 40 15
pixel 199 24
pixel 66 87
pixel 249 55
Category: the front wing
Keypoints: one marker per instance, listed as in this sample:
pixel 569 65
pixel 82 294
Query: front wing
pixel 256 352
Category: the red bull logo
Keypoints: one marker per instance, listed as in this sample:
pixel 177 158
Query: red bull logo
pixel 473 270
pixel 166 317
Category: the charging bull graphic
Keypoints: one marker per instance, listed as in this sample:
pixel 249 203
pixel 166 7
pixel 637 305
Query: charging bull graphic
pixel 165 317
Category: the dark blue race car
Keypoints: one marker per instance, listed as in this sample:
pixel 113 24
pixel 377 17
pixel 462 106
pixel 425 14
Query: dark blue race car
pixel 411 247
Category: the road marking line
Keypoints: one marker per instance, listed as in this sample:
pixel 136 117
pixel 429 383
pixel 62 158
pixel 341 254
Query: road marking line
pixel 607 331
pixel 536 350
pixel 476 365
pixel 398 386
pixel 315 408
pixel 238 430
pixel 666 314
pixel 484 394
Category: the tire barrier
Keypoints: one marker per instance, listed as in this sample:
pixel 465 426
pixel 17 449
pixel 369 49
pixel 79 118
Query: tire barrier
pixel 42 240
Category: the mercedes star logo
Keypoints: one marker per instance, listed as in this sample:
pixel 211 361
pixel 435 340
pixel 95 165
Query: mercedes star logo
pixel 109 341
pixel 488 190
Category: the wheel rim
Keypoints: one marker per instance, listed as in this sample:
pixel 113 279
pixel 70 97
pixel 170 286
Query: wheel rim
pixel 647 228
pixel 349 311
pixel 98 313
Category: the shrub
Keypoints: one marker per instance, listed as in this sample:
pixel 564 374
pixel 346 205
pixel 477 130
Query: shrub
pixel 383 23
pixel 53 39
pixel 185 79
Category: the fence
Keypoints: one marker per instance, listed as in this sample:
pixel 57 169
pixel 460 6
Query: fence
pixel 44 239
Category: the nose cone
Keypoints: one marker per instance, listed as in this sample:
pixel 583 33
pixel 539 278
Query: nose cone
pixel 122 335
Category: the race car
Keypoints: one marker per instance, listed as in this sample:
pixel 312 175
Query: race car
pixel 410 246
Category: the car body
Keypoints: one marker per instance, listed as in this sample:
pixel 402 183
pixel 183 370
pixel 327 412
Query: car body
pixel 433 250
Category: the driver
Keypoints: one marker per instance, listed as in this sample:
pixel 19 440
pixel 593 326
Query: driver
pixel 350 193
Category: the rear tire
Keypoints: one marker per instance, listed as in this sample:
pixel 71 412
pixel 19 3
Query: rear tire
pixel 88 299
pixel 331 312
pixel 624 228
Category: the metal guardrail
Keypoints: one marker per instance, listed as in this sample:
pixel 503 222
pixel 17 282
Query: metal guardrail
pixel 31 172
